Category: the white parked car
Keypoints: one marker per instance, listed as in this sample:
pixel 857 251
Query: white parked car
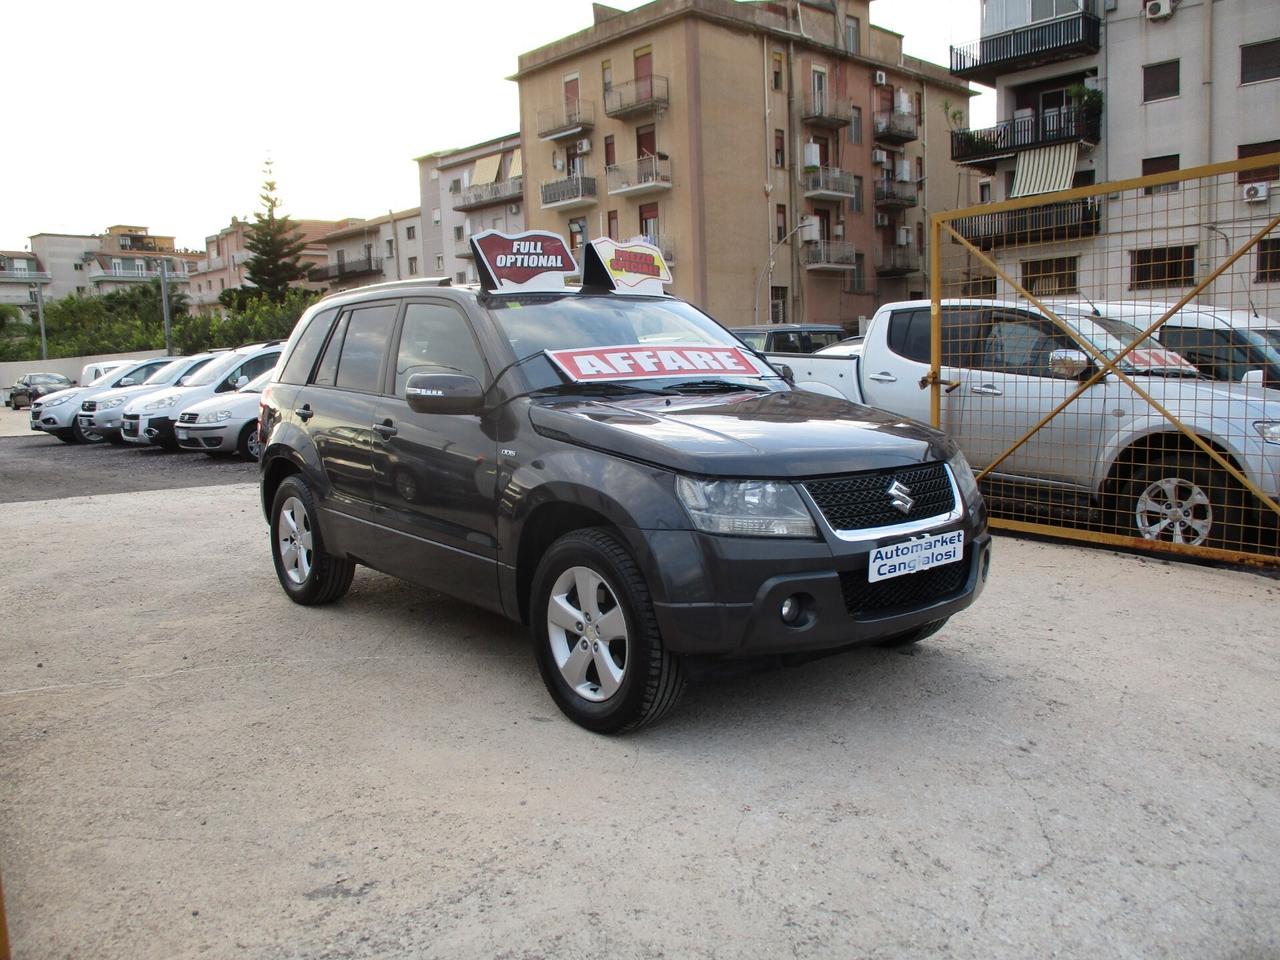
pixel 152 418
pixel 103 415
pixel 99 368
pixel 225 423
pixel 55 413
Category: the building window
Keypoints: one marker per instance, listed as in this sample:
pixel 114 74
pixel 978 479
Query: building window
pixel 853 35
pixel 1162 267
pixel 391 247
pixel 855 202
pixel 439 262
pixel 1260 174
pixel 222 284
pixel 777 71
pixel 457 233
pixel 778 304
pixel 855 128
pixel 858 275
pixel 1160 81
pixel 455 185
pixel 577 235
pixel 435 214
pixel 1048 9
pixel 1268 261
pixel 1045 278
pixel 1260 61
pixel 606 75
pixel 780 223
pixel 460 277
pixel 610 151
pixel 613 224
pixel 649 221
pixel 410 233
pixel 1165 164
pixel 413 266
pixel 779 148
pixel 78 266
pixel 984 191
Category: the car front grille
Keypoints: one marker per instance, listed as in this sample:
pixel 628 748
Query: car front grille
pixel 130 424
pixel 89 406
pixel 910 590
pixel 189 418
pixel 861 501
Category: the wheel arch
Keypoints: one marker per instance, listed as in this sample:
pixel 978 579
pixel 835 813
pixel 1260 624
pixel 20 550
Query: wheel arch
pixel 545 524
pixel 1145 448
pixel 275 468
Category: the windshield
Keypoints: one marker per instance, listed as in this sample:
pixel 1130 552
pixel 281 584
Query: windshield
pixel 1265 341
pixel 1111 336
pixel 48 378
pixel 213 371
pixel 1270 334
pixel 166 374
pixel 533 324
pixel 103 378
pixel 257 384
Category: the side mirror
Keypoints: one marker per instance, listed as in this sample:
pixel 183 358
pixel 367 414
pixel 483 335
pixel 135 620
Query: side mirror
pixel 1253 378
pixel 788 374
pixel 128 382
pixel 1068 364
pixel 443 393
pixel 241 381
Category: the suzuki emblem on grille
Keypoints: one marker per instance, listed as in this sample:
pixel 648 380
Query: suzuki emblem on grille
pixel 900 496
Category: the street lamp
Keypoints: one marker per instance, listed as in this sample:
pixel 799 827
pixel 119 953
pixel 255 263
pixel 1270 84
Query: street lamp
pixel 769 264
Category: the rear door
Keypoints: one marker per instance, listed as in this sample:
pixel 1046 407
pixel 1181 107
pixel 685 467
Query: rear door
pixel 892 371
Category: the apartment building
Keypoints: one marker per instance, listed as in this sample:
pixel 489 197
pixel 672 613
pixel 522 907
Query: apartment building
pixel 92 264
pixel 785 156
pixel 1103 90
pixel 223 265
pixel 21 274
pixel 360 252
pixel 465 191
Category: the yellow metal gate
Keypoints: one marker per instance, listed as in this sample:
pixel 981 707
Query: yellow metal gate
pixel 1108 358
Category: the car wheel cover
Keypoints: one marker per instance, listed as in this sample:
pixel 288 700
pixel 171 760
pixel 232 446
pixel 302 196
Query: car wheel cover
pixel 587 631
pixel 293 537
pixel 253 444
pixel 1174 510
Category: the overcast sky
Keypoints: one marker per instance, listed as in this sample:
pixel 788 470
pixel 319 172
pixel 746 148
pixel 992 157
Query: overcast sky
pixel 162 114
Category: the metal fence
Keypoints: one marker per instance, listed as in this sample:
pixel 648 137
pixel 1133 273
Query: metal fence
pixel 1108 358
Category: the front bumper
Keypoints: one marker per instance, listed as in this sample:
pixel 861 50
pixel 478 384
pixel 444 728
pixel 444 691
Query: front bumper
pixel 53 418
pixel 147 429
pixel 208 436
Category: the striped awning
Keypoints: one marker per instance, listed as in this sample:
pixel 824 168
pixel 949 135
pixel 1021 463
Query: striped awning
pixel 1045 170
pixel 486 169
pixel 517 165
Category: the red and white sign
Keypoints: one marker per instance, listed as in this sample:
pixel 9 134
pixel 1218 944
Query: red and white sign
pixel 536 260
pixel 633 267
pixel 1154 359
pixel 640 361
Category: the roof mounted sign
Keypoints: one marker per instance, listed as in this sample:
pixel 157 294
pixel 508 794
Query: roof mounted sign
pixel 634 267
pixel 533 261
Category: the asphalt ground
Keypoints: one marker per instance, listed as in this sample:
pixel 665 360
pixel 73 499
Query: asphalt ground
pixel 1085 764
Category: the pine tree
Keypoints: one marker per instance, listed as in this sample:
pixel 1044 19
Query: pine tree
pixel 276 246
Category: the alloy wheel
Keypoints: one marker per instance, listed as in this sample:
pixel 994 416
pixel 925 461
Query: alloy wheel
pixel 294 539
pixel 1174 510
pixel 588 633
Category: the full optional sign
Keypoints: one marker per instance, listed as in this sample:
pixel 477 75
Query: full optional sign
pixel 532 261
pixel 647 362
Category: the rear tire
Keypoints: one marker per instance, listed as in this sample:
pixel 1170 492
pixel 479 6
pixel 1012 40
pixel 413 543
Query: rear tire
pixel 595 636
pixel 308 574
pixel 913 636
pixel 1183 498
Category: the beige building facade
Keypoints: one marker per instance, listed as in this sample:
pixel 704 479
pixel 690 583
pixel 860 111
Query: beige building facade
pixel 223 265
pixel 784 156
pixel 94 264
pixel 360 252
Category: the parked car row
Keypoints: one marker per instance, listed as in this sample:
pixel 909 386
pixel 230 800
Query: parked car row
pixel 206 402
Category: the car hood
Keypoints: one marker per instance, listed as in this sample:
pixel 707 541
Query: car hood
pixel 1213 396
pixel 129 393
pixel 785 434
pixel 179 393
pixel 69 393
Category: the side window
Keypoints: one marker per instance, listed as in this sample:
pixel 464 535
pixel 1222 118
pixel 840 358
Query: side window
pixel 1209 350
pixel 308 348
pixel 787 343
pixel 753 340
pixel 909 334
pixel 1018 346
pixel 258 365
pixel 435 339
pixel 327 372
pixel 365 347
pixel 819 339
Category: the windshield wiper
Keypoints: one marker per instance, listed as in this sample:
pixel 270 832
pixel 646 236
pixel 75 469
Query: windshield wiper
pixel 715 386
pixel 604 387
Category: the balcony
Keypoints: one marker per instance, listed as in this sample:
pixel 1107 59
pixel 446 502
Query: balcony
pixel 570 119
pixel 25 276
pixel 462 249
pixel 1075 35
pixel 636 177
pixel 897 261
pixel 569 193
pixel 347 270
pixel 829 255
pixel 490 194
pixel 1023 133
pixel 896 195
pixel 638 98
pixel 829 183
pixel 1051 223
pixel 824 110
pixel 895 126
pixel 101 275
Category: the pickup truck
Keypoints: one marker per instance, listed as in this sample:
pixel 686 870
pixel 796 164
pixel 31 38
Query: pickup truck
pixel 609 466
pixel 1006 366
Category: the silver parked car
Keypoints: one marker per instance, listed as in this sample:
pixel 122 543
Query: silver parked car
pixel 56 413
pixel 225 423
pixel 103 415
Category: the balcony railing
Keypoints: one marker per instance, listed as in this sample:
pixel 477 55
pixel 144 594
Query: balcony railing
pixel 829 255
pixel 896 194
pixel 824 110
pixel 829 183
pixel 570 192
pixel 99 274
pixel 567 120
pixel 645 175
pixel 1023 133
pixel 1051 223
pixel 638 97
pixel 1074 35
pixel 24 276
pixel 897 261
pixel 346 270
pixel 895 126
pixel 488 194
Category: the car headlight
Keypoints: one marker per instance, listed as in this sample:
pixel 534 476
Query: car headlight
pixel 162 403
pixel 215 416
pixel 1268 430
pixel 745 508
pixel 112 404
pixel 56 401
pixel 963 473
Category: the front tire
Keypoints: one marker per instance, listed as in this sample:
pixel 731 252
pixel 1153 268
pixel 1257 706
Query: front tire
pixel 84 436
pixel 596 639
pixel 1183 498
pixel 309 575
pixel 247 445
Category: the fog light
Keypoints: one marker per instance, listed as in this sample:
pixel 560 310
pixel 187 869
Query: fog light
pixel 790 611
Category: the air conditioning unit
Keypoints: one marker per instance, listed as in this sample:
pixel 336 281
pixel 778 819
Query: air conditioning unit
pixel 904 171
pixel 882 219
pixel 904 236
pixel 1158 9
pixel 880 157
pixel 583 146
pixel 881 79
pixel 513 208
pixel 1255 192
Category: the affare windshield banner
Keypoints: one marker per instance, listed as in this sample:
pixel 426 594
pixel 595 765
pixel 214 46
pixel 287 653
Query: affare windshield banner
pixel 534 261
pixel 646 361
pixel 635 267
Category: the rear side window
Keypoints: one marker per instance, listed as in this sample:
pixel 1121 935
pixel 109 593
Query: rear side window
pixel 364 348
pixel 909 334
pixel 753 340
pixel 308 348
pixel 818 339
pixel 257 366
pixel 327 372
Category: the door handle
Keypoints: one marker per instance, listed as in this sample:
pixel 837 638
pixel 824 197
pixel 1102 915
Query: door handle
pixel 305 413
pixel 989 389
pixel 884 376
pixel 386 429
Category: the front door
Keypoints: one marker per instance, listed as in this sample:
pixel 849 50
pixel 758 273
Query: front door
pixel 646 142
pixel 819 81
pixel 435 473
pixel 644 74
pixel 571 100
